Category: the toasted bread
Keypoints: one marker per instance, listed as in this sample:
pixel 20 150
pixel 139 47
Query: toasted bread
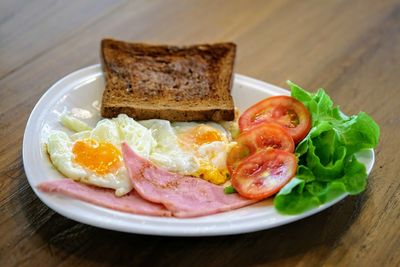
pixel 189 83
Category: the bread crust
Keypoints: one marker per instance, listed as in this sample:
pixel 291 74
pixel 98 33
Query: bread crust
pixel 186 83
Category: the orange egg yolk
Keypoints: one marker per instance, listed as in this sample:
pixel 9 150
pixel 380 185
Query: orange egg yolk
pixel 202 134
pixel 207 137
pixel 99 157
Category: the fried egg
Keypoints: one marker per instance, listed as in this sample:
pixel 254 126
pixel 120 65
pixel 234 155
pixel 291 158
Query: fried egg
pixel 209 143
pixel 93 156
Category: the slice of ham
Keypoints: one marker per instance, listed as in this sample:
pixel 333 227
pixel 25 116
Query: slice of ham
pixel 184 196
pixel 131 202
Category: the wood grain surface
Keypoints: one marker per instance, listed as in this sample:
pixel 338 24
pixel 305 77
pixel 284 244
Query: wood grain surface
pixel 350 48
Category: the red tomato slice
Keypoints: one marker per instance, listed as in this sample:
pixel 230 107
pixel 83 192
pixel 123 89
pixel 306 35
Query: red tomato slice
pixel 264 173
pixel 284 110
pixel 262 136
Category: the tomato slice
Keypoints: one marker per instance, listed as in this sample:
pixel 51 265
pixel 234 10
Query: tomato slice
pixel 262 136
pixel 284 110
pixel 264 173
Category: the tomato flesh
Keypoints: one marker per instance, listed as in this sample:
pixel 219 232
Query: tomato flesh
pixel 262 136
pixel 264 173
pixel 284 110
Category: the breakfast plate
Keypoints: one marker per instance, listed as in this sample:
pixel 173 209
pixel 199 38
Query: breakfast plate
pixel 80 92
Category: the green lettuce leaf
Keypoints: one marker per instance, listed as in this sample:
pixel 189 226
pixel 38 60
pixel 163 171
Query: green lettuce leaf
pixel 327 165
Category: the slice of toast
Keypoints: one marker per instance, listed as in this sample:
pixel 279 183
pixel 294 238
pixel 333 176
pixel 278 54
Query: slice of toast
pixel 189 83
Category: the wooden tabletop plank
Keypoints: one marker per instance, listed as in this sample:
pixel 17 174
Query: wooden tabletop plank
pixel 351 48
pixel 29 30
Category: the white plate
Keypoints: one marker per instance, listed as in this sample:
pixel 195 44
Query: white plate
pixel 81 92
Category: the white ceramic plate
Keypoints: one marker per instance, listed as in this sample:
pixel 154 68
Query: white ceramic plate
pixel 80 92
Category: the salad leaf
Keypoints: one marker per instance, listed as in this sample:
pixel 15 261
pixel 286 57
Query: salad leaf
pixel 229 190
pixel 327 164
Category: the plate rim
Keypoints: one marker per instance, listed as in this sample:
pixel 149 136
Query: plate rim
pixel 95 70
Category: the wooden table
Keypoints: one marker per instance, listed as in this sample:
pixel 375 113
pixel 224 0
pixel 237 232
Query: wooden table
pixel 351 48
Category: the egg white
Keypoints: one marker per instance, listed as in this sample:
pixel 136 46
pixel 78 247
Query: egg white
pixel 168 153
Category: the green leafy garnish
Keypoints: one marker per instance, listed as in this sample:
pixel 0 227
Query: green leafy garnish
pixel 229 190
pixel 327 164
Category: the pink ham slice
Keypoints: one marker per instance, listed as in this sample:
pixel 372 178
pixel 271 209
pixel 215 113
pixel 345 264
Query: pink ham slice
pixel 184 196
pixel 131 202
